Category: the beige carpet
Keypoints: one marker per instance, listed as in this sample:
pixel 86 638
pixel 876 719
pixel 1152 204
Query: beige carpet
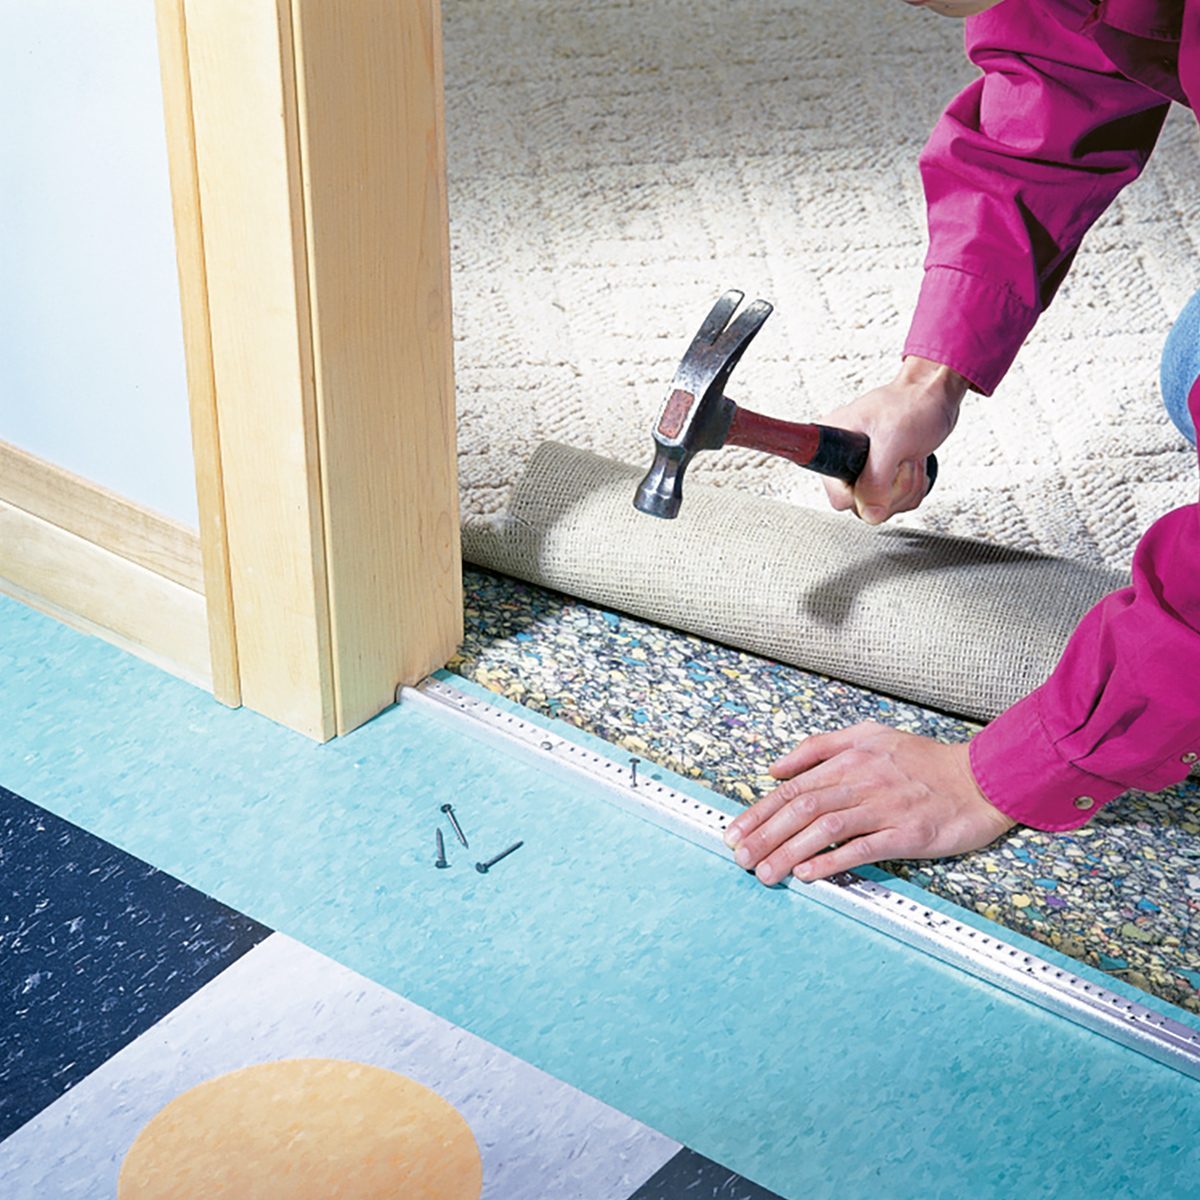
pixel 614 166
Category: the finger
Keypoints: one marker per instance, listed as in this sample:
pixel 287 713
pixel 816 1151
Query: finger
pixel 877 486
pixel 917 488
pixel 801 829
pixel 872 846
pixel 902 495
pixel 788 818
pixel 841 495
pixel 818 747
pixel 746 824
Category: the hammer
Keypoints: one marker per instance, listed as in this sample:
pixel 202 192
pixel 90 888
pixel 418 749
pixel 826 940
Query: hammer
pixel 699 416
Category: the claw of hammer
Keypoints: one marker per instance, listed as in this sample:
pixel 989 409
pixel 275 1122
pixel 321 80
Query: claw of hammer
pixel 699 416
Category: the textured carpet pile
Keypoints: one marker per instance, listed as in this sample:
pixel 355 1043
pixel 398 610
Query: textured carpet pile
pixel 615 166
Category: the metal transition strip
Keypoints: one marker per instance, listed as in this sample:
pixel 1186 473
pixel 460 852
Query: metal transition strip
pixel 873 904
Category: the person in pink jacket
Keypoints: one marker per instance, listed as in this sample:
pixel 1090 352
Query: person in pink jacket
pixel 1066 112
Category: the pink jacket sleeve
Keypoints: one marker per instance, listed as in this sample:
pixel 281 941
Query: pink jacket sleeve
pixel 1016 171
pixel 1122 707
pixel 1019 167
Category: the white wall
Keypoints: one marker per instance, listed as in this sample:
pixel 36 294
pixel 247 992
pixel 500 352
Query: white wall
pixel 91 346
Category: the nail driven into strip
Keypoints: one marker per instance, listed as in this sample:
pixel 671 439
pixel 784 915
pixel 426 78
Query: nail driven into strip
pixel 449 811
pixel 484 867
pixel 441 851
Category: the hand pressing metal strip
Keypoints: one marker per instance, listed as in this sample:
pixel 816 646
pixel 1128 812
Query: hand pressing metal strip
pixel 873 904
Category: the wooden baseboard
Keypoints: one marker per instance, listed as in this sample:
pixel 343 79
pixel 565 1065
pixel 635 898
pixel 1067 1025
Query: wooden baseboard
pixel 102 564
pixel 100 516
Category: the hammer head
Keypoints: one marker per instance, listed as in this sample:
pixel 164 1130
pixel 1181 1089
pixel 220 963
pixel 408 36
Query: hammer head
pixel 698 414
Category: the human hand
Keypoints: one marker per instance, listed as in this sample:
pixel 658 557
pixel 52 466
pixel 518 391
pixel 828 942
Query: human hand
pixel 906 421
pixel 877 792
pixel 954 8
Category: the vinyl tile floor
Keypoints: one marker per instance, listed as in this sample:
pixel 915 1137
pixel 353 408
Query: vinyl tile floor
pixel 1119 894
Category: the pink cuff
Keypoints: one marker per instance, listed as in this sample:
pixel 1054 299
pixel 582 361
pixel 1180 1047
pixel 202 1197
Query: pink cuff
pixel 1023 775
pixel 970 324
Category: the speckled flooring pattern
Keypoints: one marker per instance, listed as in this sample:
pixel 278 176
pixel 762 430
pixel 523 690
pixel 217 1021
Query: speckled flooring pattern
pixel 95 947
pixel 1120 893
pixel 799 1049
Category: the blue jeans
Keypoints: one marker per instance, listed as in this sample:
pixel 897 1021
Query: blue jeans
pixel 1181 366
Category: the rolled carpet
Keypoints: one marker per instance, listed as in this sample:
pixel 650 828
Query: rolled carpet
pixel 949 623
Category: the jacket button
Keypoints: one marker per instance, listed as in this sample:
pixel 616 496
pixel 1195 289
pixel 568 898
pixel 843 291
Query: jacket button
pixel 1084 802
pixel 1190 757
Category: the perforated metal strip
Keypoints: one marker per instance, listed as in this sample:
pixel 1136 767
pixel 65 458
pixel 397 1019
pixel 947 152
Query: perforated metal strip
pixel 873 904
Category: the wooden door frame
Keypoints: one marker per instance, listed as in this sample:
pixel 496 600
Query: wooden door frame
pixel 307 155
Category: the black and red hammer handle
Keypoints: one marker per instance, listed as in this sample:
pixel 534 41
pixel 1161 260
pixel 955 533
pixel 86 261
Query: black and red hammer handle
pixel 841 453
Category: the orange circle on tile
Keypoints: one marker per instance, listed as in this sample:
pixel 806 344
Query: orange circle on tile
pixel 305 1129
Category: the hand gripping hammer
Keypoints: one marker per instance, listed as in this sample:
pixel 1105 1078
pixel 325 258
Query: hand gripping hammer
pixel 699 416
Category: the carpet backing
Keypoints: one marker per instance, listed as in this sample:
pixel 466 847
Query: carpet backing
pixel 951 623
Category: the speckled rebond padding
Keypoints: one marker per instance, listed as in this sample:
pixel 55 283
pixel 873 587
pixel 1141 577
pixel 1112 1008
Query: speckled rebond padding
pixel 791 1044
pixel 1121 893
